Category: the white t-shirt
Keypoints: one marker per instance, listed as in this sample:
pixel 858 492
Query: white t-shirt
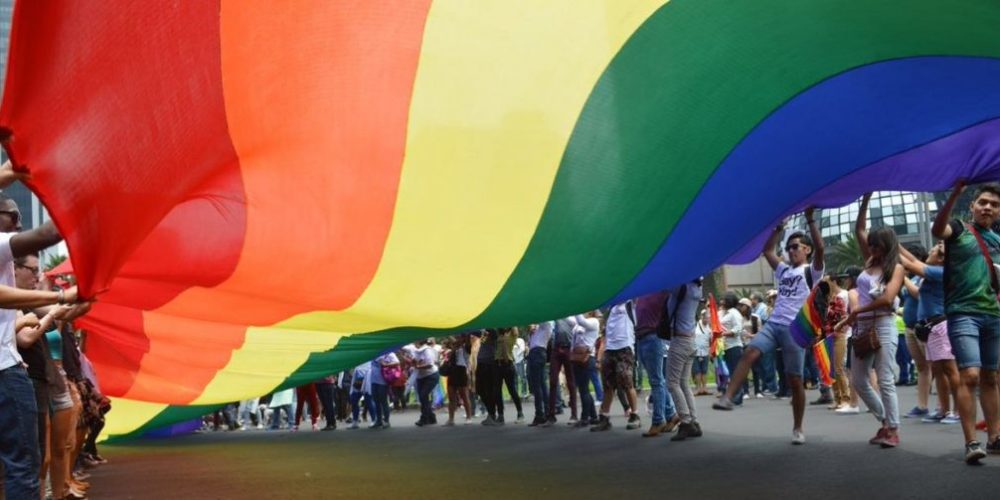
pixel 423 356
pixel 540 337
pixel 8 344
pixel 619 333
pixel 518 350
pixel 586 332
pixel 732 321
pixel 792 291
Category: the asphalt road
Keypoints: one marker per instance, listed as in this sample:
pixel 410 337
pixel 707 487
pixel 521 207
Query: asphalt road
pixel 744 454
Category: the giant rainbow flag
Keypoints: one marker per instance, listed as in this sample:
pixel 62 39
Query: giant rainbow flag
pixel 262 193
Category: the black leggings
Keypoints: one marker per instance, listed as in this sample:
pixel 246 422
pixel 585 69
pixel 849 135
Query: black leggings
pixel 487 386
pixel 506 374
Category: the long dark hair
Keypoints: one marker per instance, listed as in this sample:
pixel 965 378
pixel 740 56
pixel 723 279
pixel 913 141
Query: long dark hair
pixel 885 239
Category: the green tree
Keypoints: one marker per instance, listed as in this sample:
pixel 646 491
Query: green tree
pixel 53 261
pixel 844 254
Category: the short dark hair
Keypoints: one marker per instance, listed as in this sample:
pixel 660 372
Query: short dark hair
pixel 19 261
pixel 917 250
pixel 990 187
pixel 804 239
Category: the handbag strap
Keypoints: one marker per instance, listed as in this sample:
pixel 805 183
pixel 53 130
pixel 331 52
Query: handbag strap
pixel 986 254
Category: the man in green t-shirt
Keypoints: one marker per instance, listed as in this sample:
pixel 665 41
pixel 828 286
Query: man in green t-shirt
pixel 973 313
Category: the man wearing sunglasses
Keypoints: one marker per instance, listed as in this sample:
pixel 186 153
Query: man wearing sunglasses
pixel 19 453
pixel 795 279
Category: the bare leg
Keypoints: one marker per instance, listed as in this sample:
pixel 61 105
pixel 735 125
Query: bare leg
pixel 798 400
pixel 966 402
pixel 989 398
pixel 941 382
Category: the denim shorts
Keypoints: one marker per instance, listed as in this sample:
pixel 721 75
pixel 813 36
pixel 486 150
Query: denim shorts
pixel 773 336
pixel 700 365
pixel 975 340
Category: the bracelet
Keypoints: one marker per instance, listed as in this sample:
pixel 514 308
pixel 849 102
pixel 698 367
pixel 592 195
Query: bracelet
pixel 62 296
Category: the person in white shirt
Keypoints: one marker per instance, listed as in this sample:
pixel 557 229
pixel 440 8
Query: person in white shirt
pixel 702 338
pixel 618 364
pixel 425 359
pixel 732 339
pixel 380 389
pixel 538 341
pixel 794 278
pixel 18 407
pixel 584 364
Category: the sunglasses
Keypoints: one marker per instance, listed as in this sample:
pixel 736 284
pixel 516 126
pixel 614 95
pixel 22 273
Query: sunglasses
pixel 14 215
pixel 34 270
pixel 792 247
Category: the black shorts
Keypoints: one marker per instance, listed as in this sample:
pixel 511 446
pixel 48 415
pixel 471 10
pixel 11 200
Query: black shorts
pixel 460 378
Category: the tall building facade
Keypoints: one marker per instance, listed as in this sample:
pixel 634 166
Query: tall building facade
pixel 31 210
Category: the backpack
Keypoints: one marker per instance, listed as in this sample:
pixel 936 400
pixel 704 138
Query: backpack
pixel 392 374
pixel 668 322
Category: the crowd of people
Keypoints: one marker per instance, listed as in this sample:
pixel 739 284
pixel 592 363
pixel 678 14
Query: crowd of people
pixel 903 305
pixel 576 367
pixel 51 407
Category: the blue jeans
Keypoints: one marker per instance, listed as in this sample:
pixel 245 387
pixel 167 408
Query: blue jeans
pixel 276 415
pixel 326 391
pixel 595 378
pixel 651 356
pixel 903 360
pixel 584 372
pixel 767 366
pixel 19 434
pixel 975 340
pixel 425 386
pixel 732 358
pixel 536 380
pixel 380 400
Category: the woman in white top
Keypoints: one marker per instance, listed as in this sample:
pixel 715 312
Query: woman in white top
pixel 584 365
pixel 380 389
pixel 732 338
pixel 425 361
pixel 702 339
pixel 878 286
pixel 459 349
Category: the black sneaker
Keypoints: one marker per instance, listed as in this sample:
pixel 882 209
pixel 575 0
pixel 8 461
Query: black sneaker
pixel 499 420
pixel 822 401
pixel 634 422
pixel 696 433
pixel 974 453
pixel 684 431
pixel 603 424
pixel 537 421
pixel 993 447
pixel 549 422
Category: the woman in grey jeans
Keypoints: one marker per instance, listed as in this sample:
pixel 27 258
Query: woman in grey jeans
pixel 683 307
pixel 877 287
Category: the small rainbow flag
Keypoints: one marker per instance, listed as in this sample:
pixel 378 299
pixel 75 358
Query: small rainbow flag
pixel 808 325
pixel 823 351
pixel 714 322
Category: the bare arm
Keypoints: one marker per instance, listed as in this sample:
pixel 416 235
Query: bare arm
pixel 26 337
pixel 817 238
pixel 861 228
pixel 911 264
pixel 35 240
pixel 769 253
pixel 941 229
pixel 14 298
pixel 891 291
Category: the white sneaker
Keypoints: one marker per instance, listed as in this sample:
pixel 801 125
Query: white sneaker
pixel 798 437
pixel 848 410
pixel 468 420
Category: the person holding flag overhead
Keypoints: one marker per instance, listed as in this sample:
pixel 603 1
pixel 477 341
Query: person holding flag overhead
pixel 795 279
